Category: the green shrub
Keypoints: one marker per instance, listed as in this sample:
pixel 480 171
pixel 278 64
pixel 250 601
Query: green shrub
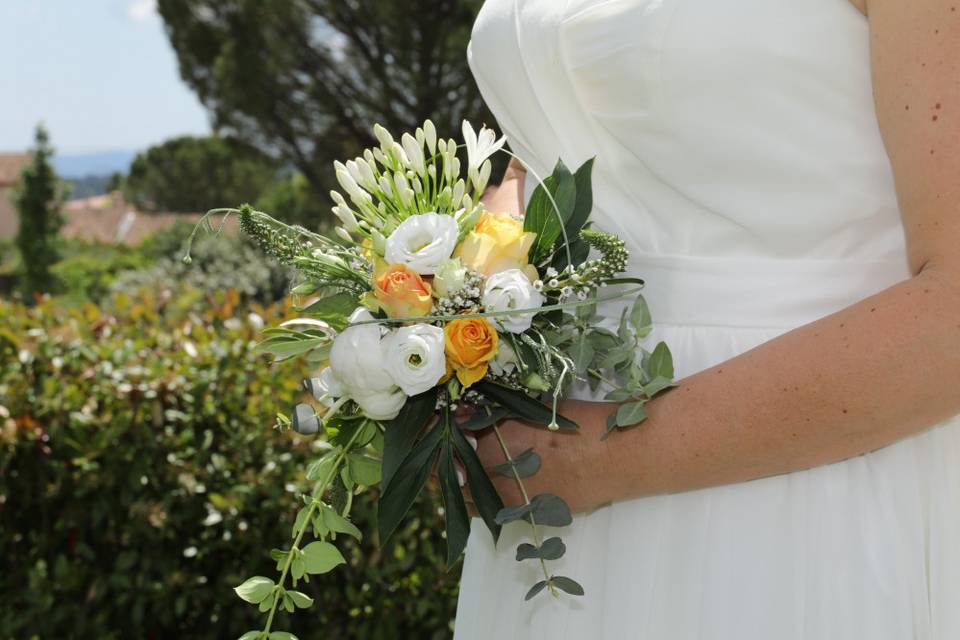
pixel 141 479
pixel 88 269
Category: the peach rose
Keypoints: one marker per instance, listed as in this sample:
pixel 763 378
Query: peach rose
pixel 497 243
pixel 470 344
pixel 402 293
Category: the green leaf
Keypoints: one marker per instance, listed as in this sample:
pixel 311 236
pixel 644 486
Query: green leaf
pixel 568 585
pixel 255 589
pixel 542 218
pixel 526 464
pixel 409 478
pixel 611 425
pixel 535 589
pixel 457 519
pixel 320 468
pixel 661 362
pixel 364 469
pixel 301 600
pixel 402 431
pixel 583 205
pixel 631 413
pixel 335 522
pixel 485 496
pixel 334 310
pixel 300 521
pixel 550 510
pixel 250 635
pixel 286 347
pixel 521 404
pixel 657 385
pixel 640 317
pixel 282 635
pixel 267 603
pixel 481 419
pixel 582 353
pixel 321 557
pixel 618 395
pixel 551 549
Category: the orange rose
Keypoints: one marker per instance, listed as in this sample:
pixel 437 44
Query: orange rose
pixel 497 243
pixel 401 292
pixel 470 344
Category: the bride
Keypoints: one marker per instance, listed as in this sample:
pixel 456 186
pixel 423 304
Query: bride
pixel 786 175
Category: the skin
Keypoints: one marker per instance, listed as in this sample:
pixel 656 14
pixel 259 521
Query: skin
pixel 878 371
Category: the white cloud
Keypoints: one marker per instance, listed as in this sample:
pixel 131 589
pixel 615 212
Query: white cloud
pixel 142 10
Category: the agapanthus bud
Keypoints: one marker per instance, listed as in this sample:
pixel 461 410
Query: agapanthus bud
pixel 414 151
pixel 383 136
pixel 430 133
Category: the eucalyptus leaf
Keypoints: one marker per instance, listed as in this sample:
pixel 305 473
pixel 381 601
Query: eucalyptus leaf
pixel 250 635
pixel 335 522
pixel 618 395
pixel 321 557
pixel 282 635
pixel 551 549
pixel 640 317
pixel 267 603
pixel 631 413
pixel 254 590
pixel 660 362
pixel 364 469
pixel 535 589
pixel 657 385
pixel 582 353
pixel 526 464
pixel 301 600
pixel 568 585
pixel 611 425
pixel 550 510
pixel 511 514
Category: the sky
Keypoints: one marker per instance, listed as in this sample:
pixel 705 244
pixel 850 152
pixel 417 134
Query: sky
pixel 99 73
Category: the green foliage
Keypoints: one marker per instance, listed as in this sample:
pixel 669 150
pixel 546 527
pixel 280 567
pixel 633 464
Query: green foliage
pixel 190 174
pixel 140 483
pixel 305 79
pixel 89 269
pixel 37 200
pixel 218 263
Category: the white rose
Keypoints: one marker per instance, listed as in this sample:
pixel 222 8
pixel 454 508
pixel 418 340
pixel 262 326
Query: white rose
pixel 450 277
pixel 358 371
pixel 511 289
pixel 415 357
pixel 422 242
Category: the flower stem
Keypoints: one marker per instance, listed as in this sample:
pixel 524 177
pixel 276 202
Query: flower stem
pixel 526 500
pixel 313 507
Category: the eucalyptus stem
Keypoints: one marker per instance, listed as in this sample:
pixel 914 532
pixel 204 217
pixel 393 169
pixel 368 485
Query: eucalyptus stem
pixel 526 500
pixel 314 503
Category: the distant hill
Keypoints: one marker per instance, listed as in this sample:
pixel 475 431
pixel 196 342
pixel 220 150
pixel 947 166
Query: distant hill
pixel 103 163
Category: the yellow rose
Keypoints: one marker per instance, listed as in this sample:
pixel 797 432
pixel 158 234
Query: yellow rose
pixel 496 244
pixel 402 293
pixel 470 344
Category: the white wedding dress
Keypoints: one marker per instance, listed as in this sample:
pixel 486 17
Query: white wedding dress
pixel 739 157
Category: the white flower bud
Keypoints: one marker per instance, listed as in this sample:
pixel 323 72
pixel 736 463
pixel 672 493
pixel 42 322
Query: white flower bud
pixel 383 136
pixel 414 151
pixel 430 134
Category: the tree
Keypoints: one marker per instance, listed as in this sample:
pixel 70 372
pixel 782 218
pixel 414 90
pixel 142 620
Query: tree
pixel 190 174
pixel 38 200
pixel 304 80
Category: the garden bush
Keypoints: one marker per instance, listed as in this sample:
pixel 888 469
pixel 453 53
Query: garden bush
pixel 141 478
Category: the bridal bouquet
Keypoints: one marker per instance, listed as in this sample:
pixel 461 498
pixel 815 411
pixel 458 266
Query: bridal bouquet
pixel 422 301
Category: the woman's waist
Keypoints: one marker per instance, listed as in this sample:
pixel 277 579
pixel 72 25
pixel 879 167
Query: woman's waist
pixel 745 292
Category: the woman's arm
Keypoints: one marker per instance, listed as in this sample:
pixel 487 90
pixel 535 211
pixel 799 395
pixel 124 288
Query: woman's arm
pixel 862 378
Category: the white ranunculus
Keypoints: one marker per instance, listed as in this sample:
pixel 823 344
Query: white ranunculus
pixel 357 369
pixel 415 357
pixel 422 242
pixel 326 387
pixel 450 277
pixel 511 289
pixel 383 405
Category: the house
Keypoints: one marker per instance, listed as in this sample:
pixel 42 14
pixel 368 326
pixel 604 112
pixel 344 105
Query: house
pixel 110 218
pixel 11 166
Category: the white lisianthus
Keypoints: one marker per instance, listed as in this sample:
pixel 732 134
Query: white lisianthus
pixel 511 289
pixel 357 370
pixel 415 357
pixel 450 277
pixel 422 242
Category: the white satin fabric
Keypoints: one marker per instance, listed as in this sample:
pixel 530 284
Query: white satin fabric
pixel 738 155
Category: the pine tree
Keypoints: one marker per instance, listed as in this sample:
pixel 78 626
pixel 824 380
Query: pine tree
pixel 38 205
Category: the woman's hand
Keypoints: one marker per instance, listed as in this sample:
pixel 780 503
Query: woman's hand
pixel 508 196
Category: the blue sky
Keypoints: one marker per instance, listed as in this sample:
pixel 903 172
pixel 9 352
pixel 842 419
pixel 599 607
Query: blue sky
pixel 99 73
